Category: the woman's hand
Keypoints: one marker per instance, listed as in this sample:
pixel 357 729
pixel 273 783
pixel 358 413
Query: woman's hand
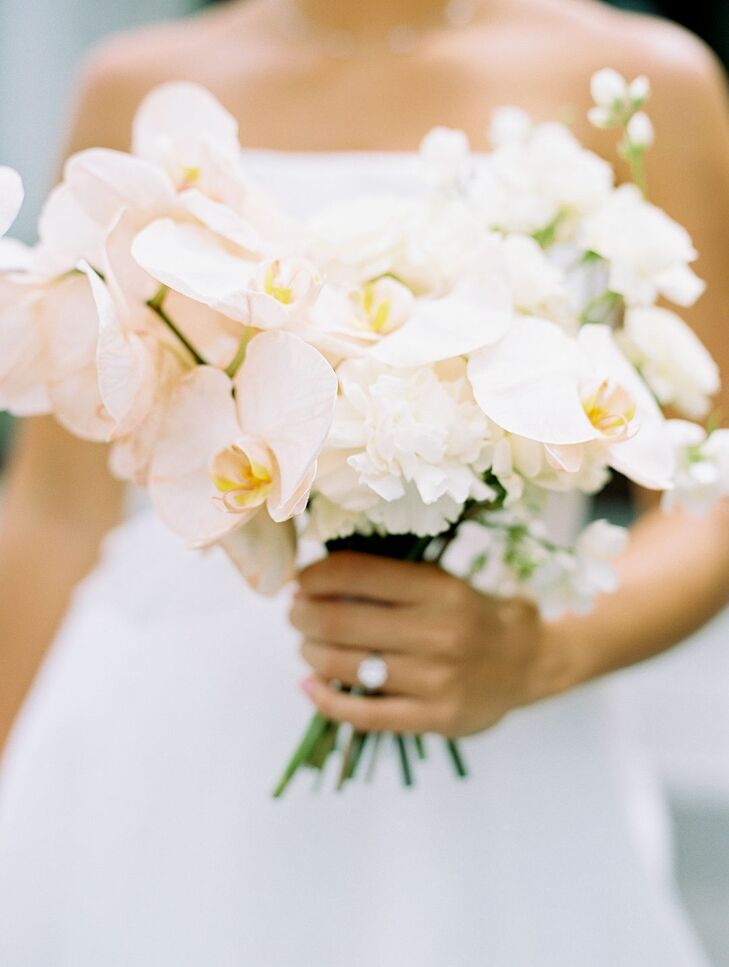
pixel 457 660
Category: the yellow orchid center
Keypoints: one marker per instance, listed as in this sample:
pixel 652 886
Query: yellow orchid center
pixel 241 481
pixel 190 177
pixel 378 311
pixel 272 287
pixel 610 409
pixel 382 304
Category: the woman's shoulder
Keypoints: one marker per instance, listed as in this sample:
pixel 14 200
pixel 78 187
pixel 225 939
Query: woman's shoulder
pixel 123 68
pixel 636 43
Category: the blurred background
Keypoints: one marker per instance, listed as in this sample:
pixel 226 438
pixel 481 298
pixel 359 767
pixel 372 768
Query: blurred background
pixel 679 703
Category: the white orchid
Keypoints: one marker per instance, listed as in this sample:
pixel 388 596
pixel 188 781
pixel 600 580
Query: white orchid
pixel 11 197
pixel 268 293
pixel 671 358
pixel 575 395
pixel 229 451
pixel 647 252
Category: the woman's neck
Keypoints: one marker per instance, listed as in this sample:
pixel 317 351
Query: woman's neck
pixel 369 16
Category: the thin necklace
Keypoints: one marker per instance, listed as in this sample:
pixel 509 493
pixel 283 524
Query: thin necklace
pixel 399 39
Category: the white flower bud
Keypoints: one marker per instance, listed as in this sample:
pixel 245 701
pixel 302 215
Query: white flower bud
pixel 640 130
pixel 639 90
pixel 445 153
pixel 608 88
pixel 509 125
pixel 600 117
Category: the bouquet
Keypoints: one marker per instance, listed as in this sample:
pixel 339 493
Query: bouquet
pixel 381 374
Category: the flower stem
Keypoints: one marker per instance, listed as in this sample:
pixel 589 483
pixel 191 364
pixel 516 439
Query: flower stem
pixel 317 727
pixel 156 305
pixel 459 765
pixel 407 772
pixel 232 368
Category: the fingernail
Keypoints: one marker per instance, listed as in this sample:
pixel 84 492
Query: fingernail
pixel 307 686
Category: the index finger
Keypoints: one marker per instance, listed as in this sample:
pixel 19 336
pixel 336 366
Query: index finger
pixel 353 575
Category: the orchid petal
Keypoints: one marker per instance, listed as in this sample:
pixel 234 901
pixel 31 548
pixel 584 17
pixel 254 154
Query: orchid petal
pixel 285 392
pixel 180 117
pixel 11 197
pixel 476 313
pixel 528 383
pixel 647 457
pixel 126 363
pixel 106 181
pixel 22 352
pixel 223 220
pixel 190 260
pixel 264 552
pixel 199 422
pixel 69 317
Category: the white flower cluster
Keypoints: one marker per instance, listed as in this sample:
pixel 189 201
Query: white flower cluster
pixel 390 367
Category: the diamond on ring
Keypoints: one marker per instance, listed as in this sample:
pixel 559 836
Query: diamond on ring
pixel 372 672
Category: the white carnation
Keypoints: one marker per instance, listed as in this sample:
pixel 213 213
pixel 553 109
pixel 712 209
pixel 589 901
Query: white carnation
pixel 406 448
pixel 649 253
pixel 672 359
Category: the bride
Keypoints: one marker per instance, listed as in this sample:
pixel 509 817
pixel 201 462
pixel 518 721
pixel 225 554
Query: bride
pixel 136 824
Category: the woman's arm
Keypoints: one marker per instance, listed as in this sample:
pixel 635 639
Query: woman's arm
pixel 58 499
pixel 460 661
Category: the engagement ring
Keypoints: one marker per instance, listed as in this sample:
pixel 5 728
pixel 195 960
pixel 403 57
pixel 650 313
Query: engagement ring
pixel 372 672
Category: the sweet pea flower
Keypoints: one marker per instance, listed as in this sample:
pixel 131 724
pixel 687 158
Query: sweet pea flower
pixel 702 468
pixel 647 252
pixel 569 581
pixel 671 358
pixel 640 130
pixel 616 99
pixel 539 179
pixel 445 154
pixel 230 451
pixel 577 395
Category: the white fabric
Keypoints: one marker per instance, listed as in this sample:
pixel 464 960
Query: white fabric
pixel 137 828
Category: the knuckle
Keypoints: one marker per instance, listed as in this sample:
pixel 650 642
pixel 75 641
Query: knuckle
pixel 328 664
pixel 328 624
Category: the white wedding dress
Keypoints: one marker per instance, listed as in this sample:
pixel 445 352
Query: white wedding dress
pixel 137 827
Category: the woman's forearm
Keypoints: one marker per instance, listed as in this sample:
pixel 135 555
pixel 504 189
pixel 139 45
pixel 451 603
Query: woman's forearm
pixel 57 504
pixel 674 577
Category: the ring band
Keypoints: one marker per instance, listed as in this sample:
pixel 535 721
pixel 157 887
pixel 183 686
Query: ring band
pixel 372 672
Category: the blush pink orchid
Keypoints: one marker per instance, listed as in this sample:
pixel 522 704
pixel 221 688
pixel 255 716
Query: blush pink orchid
pixel 230 451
